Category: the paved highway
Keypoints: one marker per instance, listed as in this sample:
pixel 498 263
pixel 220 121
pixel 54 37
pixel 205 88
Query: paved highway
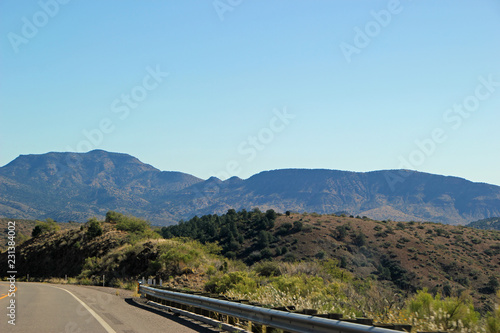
pixel 55 308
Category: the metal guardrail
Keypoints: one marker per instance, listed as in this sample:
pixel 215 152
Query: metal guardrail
pixel 287 321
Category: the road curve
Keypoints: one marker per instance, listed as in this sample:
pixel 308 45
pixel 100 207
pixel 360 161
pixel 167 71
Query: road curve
pixel 52 308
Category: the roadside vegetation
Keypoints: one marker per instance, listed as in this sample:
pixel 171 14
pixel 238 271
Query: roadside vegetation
pixel 432 276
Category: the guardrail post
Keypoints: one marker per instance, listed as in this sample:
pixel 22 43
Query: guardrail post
pixel 232 321
pixel 257 328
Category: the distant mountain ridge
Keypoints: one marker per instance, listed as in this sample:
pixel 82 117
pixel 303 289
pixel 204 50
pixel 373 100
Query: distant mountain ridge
pixel 492 223
pixel 77 186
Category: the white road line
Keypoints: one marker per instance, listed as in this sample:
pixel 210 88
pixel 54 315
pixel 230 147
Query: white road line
pixel 92 312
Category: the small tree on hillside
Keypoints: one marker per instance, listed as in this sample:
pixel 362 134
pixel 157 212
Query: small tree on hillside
pixel 42 227
pixel 94 228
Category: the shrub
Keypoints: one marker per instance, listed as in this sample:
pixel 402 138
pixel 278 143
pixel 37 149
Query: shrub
pixel 297 226
pixel 43 227
pixel 271 214
pixel 442 313
pixel 132 224
pixel 320 255
pixel 230 255
pixel 359 239
pixel 493 319
pixel 264 239
pixel 334 270
pixel 238 281
pixel 266 253
pixel 267 269
pixel 341 232
pixel 94 228
pixel 285 228
pixel 113 217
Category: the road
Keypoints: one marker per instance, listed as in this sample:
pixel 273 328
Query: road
pixel 55 308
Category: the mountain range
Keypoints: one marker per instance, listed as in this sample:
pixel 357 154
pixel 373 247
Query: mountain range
pixel 77 186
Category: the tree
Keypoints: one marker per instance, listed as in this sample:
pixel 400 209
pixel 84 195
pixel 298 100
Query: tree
pixel 271 214
pixel 43 227
pixel 285 228
pixel 37 230
pixel 297 226
pixel 359 239
pixel 132 224
pixel 266 253
pixel 263 239
pixel 94 228
pixel 492 286
pixel 341 232
pixel 113 217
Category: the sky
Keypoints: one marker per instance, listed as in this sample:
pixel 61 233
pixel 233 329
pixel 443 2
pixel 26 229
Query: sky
pixel 235 87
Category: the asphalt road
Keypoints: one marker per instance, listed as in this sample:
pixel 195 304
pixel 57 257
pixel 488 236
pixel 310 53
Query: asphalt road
pixel 51 308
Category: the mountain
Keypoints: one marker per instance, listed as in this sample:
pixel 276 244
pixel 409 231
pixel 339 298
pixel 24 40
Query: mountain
pixel 71 186
pixel 493 223
pixel 77 186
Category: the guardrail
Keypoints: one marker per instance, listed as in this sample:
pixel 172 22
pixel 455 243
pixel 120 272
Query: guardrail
pixel 287 321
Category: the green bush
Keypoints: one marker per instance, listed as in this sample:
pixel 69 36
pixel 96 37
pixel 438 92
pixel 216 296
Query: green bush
pixel 333 269
pixel 238 281
pixel 267 269
pixel 297 226
pixel 320 255
pixel 359 239
pixel 43 227
pixel 493 319
pixel 445 313
pixel 341 232
pixel 132 224
pixel 113 217
pixel 94 228
pixel 285 229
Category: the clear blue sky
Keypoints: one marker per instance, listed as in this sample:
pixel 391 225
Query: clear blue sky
pixel 356 84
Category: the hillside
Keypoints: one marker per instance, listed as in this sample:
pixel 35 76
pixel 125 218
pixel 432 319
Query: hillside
pixel 401 256
pixel 354 266
pixel 75 187
pixel 24 229
pixel 123 248
pixel 492 223
pixel 442 258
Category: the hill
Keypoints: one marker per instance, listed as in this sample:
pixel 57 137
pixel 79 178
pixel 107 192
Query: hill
pixel 75 187
pixel 355 266
pixel 412 255
pixel 492 223
pixel 23 230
